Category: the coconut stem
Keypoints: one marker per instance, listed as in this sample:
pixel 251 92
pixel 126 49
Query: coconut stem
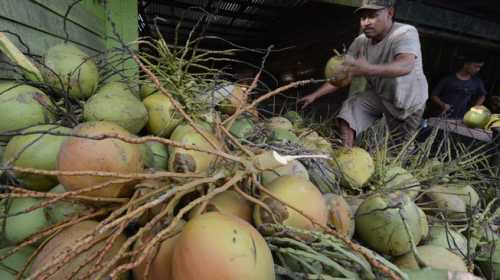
pixel 420 262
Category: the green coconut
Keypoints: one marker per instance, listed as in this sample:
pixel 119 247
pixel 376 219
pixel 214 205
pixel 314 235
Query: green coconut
pixel 163 118
pixel 297 192
pixel 398 178
pixel 229 203
pixel 379 223
pixel 355 165
pixel 279 123
pixel 334 69
pixel 182 160
pixel 438 274
pixel 22 106
pixel 233 97
pixel 66 241
pixel 477 117
pixel 340 214
pixel 294 118
pixel 157 157
pixel 22 226
pixel 434 257
pixel 453 199
pixel 68 67
pixel 36 151
pixel 449 239
pixel 489 260
pixel 13 264
pixel 114 102
pixel 147 88
pixel 293 167
pixel 310 140
pixel 242 128
pixel 63 209
pixel 424 224
pixel 279 135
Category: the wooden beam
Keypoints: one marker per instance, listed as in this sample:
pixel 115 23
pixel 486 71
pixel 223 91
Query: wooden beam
pixel 150 16
pixel 429 15
pixel 219 12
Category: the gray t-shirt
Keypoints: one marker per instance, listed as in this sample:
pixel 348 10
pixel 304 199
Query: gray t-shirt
pixel 403 95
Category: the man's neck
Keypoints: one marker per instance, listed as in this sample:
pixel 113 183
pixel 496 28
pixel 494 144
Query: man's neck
pixel 381 37
pixel 463 75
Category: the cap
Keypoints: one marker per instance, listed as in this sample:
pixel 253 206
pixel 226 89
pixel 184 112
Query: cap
pixel 375 5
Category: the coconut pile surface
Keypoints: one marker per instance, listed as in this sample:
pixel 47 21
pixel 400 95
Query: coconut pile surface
pixel 176 174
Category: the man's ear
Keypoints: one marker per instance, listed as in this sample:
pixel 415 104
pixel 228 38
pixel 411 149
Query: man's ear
pixel 391 12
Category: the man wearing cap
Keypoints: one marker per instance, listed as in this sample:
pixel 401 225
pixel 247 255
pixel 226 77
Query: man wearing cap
pixel 388 55
pixel 456 93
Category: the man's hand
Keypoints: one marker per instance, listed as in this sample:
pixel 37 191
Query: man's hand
pixel 307 100
pixel 446 108
pixel 357 67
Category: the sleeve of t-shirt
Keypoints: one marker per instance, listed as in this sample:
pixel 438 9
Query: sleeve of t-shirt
pixel 407 41
pixel 440 87
pixel 481 89
pixel 355 47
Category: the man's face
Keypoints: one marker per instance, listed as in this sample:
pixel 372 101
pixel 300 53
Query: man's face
pixel 473 67
pixel 374 23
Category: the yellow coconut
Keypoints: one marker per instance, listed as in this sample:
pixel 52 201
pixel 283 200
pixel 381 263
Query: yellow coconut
pixel 293 167
pixel 340 215
pixel 65 241
pixel 424 224
pixel 161 265
pixel 109 155
pixel 449 239
pixel 335 69
pixel 230 203
pixel 182 160
pixel 434 257
pixel 234 97
pixel 214 246
pixel 453 199
pixel 279 123
pixel 297 192
pixel 355 165
pixel 163 117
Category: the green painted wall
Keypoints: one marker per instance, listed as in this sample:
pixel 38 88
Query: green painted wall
pixel 40 23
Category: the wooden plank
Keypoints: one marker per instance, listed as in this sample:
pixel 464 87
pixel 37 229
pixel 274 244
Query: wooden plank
pixel 22 11
pixel 85 14
pixel 458 127
pixel 351 3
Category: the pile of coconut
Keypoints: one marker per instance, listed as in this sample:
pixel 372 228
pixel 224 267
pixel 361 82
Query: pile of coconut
pixel 176 175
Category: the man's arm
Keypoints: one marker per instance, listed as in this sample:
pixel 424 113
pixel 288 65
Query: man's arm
pixel 482 93
pixel 480 100
pixel 325 89
pixel 402 65
pixel 437 92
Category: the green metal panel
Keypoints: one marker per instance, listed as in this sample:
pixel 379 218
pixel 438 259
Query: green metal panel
pixel 47 23
pixel 40 23
pixel 123 14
